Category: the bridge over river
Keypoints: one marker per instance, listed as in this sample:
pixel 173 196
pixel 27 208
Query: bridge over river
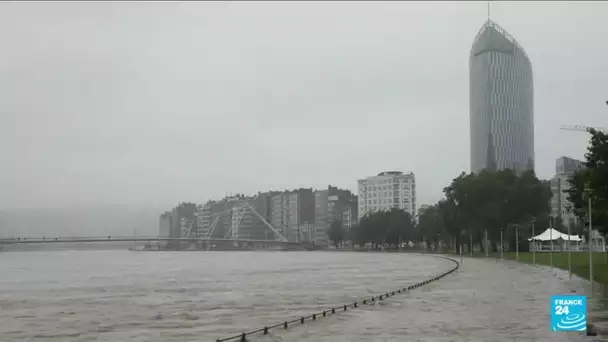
pixel 198 243
pixel 209 236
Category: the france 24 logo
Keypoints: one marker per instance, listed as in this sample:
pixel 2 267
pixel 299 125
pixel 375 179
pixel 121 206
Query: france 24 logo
pixel 568 313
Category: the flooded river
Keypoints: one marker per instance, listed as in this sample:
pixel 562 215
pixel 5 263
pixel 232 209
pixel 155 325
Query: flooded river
pixel 201 296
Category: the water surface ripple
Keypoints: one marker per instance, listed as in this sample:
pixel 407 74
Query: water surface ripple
pixel 201 296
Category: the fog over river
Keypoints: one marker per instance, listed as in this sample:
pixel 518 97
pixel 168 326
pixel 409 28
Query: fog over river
pixel 201 296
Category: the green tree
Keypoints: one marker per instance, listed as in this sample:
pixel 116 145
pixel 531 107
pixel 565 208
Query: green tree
pixel 385 227
pixel 430 222
pixel 336 233
pixel 593 181
pixel 492 202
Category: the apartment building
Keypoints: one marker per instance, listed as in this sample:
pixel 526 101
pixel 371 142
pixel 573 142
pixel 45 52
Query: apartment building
pixel 292 213
pixel 233 216
pixel 180 215
pixel 331 205
pixel 391 189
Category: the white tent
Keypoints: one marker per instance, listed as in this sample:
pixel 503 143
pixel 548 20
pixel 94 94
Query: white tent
pixel 552 234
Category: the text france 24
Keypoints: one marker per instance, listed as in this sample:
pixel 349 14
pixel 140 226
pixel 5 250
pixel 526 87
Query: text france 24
pixel 568 313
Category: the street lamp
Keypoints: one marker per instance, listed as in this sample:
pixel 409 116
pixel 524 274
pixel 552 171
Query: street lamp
pixel 568 210
pixel 516 238
pixel 462 233
pixel 551 239
pixel 588 191
pixel 471 243
pixel 517 242
pixel 533 243
pixel 502 249
pixel 486 241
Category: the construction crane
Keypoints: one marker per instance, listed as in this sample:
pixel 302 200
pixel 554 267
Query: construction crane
pixel 582 128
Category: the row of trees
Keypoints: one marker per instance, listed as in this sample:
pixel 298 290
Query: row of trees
pixel 380 228
pixel 491 203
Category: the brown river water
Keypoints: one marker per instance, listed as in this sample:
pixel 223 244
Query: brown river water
pixel 117 295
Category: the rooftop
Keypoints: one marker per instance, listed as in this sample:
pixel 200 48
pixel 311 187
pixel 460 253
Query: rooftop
pixel 492 37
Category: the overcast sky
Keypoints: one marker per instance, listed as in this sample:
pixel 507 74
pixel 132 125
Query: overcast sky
pixel 155 103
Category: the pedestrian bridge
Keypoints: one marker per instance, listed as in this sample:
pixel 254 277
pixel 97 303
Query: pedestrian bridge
pixel 221 230
pixel 182 241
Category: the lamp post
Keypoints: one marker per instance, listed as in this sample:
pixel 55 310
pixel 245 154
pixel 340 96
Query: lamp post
pixel 502 249
pixel 461 257
pixel 569 255
pixel 551 239
pixel 516 239
pixel 588 191
pixel 462 235
pixel 517 242
pixel 568 210
pixel 485 242
pixel 533 244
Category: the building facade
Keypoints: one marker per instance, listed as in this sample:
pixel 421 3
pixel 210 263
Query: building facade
pixel 561 207
pixel 501 102
pixel 331 205
pixel 236 216
pixel 568 165
pixel 387 190
pixel 321 217
pixel 292 213
pixel 297 215
pixel 251 225
pixel 204 219
pixel 181 215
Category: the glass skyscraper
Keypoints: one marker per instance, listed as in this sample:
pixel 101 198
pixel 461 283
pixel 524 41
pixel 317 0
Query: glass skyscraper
pixel 501 102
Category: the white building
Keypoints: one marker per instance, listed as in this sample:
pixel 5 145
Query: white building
pixel 387 190
pixel 561 207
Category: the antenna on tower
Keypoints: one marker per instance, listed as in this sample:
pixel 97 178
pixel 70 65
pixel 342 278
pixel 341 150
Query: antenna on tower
pixel 489 11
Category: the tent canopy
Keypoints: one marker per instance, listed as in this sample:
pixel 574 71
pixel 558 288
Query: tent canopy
pixel 552 234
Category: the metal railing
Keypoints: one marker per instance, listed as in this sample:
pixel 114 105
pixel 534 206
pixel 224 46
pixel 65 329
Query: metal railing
pixel 342 308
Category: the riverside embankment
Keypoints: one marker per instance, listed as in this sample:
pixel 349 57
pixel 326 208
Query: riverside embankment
pixel 557 265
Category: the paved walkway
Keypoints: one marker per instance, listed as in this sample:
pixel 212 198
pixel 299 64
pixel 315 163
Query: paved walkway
pixel 487 300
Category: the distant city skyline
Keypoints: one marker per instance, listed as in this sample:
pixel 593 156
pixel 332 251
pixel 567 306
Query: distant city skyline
pixel 296 215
